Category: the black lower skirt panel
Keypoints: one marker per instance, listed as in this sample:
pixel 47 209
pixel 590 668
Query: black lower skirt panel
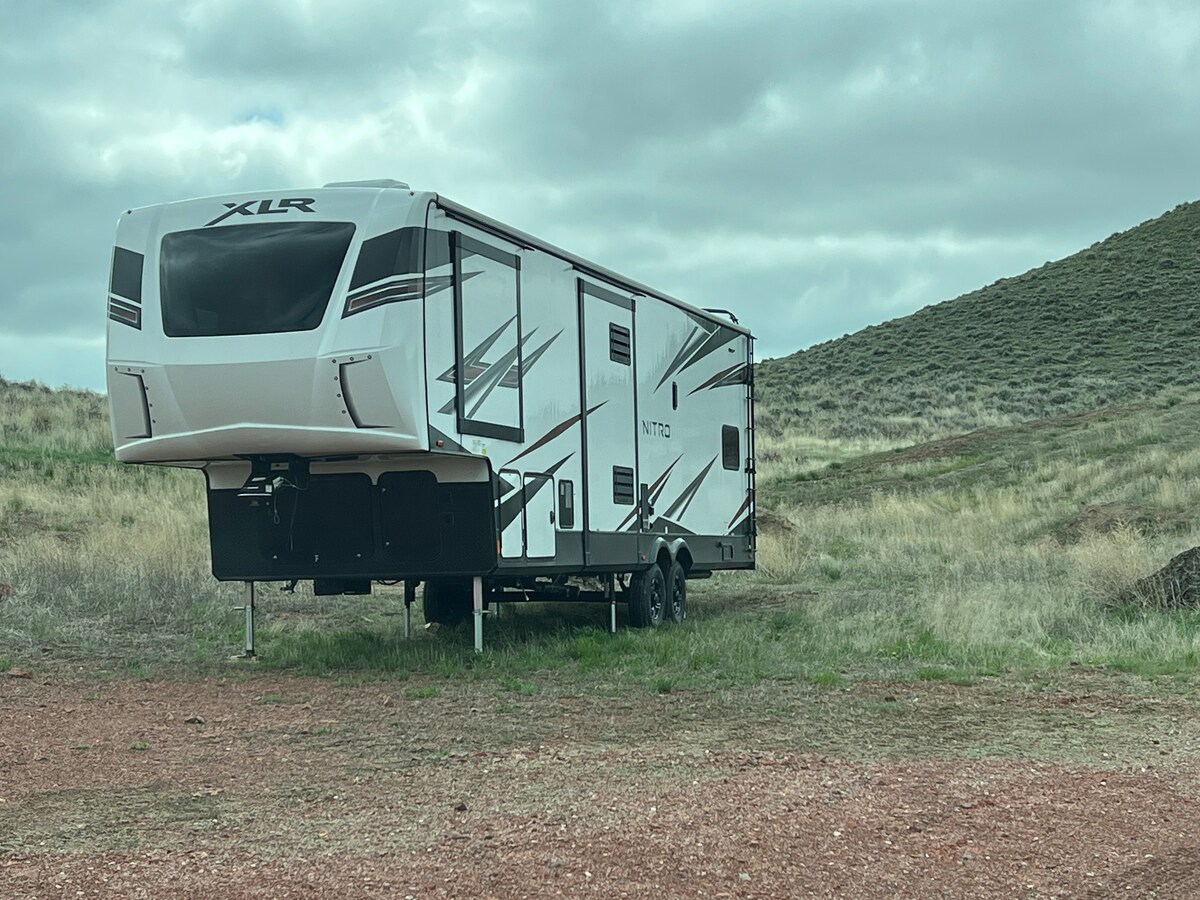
pixel 342 526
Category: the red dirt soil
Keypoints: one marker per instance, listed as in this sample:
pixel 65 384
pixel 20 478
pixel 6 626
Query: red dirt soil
pixel 269 786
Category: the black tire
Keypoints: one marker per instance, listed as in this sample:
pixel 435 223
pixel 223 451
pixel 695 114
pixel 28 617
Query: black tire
pixel 647 598
pixel 447 601
pixel 676 609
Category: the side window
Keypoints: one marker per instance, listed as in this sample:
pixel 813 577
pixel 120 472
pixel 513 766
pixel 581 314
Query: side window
pixel 487 306
pixel 381 260
pixel 125 289
pixel 731 452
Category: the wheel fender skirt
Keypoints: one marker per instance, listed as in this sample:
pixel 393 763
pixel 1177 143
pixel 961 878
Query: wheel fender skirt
pixel 657 547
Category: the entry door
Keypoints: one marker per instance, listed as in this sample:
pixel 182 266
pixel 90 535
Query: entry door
pixel 610 447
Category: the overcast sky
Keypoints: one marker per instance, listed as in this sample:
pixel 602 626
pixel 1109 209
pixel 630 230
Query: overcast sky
pixel 815 166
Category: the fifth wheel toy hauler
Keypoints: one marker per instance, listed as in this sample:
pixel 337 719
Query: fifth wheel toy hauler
pixel 381 384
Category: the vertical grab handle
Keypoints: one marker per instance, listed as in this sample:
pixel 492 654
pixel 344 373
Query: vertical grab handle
pixel 645 507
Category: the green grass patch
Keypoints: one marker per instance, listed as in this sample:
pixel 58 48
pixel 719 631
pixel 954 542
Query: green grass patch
pixel 43 461
pixel 827 678
pixel 519 686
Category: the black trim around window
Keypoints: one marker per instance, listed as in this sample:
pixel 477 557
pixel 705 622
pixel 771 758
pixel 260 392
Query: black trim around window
pixel 489 429
pixel 463 245
pixel 397 252
pixel 600 293
pixel 495 254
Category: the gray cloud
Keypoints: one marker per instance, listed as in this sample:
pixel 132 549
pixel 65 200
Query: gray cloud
pixel 817 167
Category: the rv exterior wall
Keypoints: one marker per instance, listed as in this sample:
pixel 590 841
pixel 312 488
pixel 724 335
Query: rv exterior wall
pixel 468 399
pixel 625 405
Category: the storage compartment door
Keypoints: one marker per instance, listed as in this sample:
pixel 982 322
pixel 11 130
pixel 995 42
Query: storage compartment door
pixel 539 516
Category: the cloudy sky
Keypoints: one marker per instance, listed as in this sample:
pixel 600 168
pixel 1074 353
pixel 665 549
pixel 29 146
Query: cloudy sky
pixel 815 165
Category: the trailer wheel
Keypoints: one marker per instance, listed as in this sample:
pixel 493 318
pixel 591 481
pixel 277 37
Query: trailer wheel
pixel 447 601
pixel 677 593
pixel 647 598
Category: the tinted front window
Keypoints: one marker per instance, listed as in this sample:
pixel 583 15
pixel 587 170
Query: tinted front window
pixel 250 279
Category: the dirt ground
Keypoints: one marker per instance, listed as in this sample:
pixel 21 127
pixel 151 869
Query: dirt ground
pixel 260 785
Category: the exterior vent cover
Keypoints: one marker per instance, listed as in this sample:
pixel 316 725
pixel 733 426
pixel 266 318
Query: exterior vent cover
pixel 619 344
pixel 622 486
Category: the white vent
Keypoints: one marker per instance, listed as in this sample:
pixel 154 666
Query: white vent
pixel 376 183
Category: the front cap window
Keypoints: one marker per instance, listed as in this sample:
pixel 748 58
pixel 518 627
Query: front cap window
pixel 250 279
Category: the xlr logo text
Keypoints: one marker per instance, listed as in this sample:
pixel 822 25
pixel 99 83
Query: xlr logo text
pixel 264 208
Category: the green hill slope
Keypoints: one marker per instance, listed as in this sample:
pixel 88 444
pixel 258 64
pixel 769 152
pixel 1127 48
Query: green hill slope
pixel 1113 323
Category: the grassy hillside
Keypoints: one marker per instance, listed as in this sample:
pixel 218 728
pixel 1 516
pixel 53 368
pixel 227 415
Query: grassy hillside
pixel 1113 323
pixel 37 423
pixel 107 560
pixel 1003 551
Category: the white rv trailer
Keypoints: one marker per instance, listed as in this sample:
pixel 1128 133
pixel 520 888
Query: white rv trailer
pixel 379 383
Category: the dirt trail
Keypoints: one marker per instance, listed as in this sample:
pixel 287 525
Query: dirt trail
pixel 268 786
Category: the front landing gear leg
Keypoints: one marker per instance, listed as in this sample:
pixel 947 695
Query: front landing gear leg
pixel 477 609
pixel 610 590
pixel 410 594
pixel 249 608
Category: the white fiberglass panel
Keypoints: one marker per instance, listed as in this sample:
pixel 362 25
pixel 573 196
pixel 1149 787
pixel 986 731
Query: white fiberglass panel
pixel 611 440
pixel 240 337
pixel 693 415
